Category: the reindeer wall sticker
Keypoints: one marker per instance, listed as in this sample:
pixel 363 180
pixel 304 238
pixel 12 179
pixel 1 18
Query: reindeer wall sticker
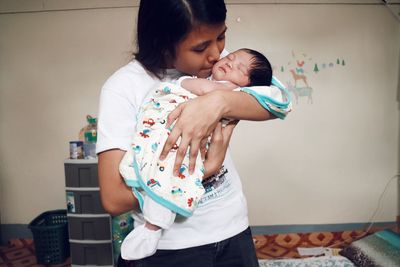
pixel 298 70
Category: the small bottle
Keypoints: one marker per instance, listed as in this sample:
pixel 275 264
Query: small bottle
pixel 90 135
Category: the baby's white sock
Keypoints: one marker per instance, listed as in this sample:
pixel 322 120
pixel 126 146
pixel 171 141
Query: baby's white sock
pixel 157 214
pixel 140 243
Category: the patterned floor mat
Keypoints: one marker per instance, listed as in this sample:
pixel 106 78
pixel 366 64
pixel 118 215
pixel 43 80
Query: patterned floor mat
pixel 21 252
pixel 331 261
pixel 284 246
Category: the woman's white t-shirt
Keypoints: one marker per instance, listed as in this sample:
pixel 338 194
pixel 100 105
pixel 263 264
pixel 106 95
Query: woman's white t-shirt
pixel 222 212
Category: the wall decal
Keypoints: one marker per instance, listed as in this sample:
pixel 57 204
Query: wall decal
pixel 298 70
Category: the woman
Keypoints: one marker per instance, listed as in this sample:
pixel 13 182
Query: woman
pixel 177 37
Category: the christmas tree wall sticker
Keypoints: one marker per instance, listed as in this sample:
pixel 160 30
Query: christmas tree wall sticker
pixel 316 70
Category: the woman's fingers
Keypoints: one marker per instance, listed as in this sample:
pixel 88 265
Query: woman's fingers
pixel 219 141
pixel 217 137
pixel 203 148
pixel 233 122
pixel 175 133
pixel 216 152
pixel 193 121
pixel 171 142
pixel 193 152
pixel 228 130
pixel 174 115
pixel 180 154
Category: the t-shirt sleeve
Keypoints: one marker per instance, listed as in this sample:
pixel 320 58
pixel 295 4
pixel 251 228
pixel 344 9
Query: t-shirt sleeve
pixel 117 121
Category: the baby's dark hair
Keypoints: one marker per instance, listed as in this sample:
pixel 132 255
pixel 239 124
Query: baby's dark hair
pixel 260 72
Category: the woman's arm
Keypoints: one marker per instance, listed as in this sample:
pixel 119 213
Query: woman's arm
pixel 200 86
pixel 197 119
pixel 241 106
pixel 116 196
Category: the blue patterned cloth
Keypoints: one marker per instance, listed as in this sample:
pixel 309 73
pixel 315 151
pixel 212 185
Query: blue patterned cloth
pixel 379 249
pixel 325 261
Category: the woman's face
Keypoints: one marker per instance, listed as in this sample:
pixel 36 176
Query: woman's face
pixel 199 51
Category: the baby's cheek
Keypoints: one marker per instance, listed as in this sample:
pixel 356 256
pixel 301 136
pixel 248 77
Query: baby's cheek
pixel 203 74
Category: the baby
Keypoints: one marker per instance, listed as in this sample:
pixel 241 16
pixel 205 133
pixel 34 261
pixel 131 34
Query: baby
pixel 161 194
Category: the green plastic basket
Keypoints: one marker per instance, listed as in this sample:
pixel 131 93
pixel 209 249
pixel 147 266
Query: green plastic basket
pixel 50 236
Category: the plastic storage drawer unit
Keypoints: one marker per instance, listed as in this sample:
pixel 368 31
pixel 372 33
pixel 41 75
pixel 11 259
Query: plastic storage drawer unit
pixel 90 228
pixel 90 233
pixel 84 201
pixel 81 175
pixel 95 253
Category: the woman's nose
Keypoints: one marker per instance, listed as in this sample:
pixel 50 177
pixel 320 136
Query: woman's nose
pixel 214 54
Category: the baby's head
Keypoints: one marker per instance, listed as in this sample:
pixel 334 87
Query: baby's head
pixel 244 67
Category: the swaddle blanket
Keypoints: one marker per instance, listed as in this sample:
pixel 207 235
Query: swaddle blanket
pixel 141 167
pixel 144 171
pixel 276 99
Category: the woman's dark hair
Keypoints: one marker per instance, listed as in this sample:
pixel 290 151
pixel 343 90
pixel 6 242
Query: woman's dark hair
pixel 162 24
pixel 260 69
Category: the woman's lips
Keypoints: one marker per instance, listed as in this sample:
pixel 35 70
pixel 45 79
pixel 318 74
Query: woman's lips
pixel 205 69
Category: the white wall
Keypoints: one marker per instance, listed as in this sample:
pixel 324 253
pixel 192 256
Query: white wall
pixel 328 162
pixel 52 67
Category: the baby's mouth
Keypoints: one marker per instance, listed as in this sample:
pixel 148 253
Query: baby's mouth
pixel 222 68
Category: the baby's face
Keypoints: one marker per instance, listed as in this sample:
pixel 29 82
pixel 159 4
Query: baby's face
pixel 234 68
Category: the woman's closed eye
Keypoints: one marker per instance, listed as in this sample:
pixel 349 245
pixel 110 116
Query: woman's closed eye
pixel 199 49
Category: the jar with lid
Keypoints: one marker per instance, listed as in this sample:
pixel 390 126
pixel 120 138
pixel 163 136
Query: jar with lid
pixel 90 138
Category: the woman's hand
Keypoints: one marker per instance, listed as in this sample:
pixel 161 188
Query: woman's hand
pixel 195 120
pixel 219 144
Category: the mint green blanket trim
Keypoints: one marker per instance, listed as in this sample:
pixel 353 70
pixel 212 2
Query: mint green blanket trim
pixel 278 84
pixel 390 237
pixel 157 198
pixel 280 115
pixel 285 94
pixel 139 197
pixel 132 183
pixel 263 100
pixel 267 99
